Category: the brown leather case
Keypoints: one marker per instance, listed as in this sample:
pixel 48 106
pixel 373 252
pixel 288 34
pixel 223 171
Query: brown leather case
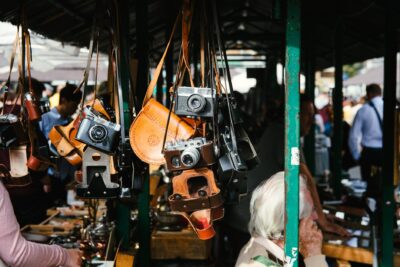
pixel 147 131
pixel 64 147
pixel 186 199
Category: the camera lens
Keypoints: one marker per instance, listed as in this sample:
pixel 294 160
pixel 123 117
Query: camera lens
pixel 190 157
pixel 196 103
pixel 98 133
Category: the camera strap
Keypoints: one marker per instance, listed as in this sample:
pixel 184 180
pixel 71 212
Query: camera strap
pixel 28 60
pixel 87 69
pixel 12 59
pixel 227 75
pixel 153 82
pixel 96 70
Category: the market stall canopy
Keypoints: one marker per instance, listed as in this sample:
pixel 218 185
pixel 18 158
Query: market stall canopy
pixel 371 75
pixel 51 60
pixel 257 25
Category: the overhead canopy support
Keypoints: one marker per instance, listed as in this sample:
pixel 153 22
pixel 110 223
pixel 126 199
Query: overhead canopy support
pixel 389 96
pixel 292 130
pixel 309 140
pixel 337 96
pixel 142 82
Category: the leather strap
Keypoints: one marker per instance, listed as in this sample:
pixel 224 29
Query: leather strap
pixel 87 69
pixel 186 23
pixel 377 114
pixel 202 56
pixel 14 51
pixel 193 204
pixel 28 59
pixel 157 72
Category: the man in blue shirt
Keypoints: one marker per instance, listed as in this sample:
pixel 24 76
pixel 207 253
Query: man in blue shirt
pixel 365 139
pixel 61 115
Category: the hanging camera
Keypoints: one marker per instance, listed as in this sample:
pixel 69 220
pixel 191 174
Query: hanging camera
pixel 194 101
pixel 98 132
pixel 231 161
pixel 183 155
pixel 223 106
pixel 11 131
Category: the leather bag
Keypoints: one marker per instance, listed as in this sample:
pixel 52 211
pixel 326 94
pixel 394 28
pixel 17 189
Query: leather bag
pixel 147 131
pixel 60 137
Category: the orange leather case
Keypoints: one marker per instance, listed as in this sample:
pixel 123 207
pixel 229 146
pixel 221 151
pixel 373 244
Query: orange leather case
pixel 64 147
pixel 147 132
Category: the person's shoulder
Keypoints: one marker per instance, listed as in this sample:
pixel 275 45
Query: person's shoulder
pixel 364 109
pixel 53 113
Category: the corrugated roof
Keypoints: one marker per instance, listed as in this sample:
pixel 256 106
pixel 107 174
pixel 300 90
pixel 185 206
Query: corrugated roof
pixel 246 24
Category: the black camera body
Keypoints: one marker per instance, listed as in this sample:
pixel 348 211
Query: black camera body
pixel 231 161
pixel 97 132
pixel 193 153
pixel 195 102
pixel 12 132
pixel 223 110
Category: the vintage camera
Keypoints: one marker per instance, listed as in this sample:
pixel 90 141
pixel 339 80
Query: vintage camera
pixel 194 101
pixel 11 131
pixel 231 161
pixel 32 107
pixel 246 148
pixel 98 132
pixel 183 155
pixel 223 110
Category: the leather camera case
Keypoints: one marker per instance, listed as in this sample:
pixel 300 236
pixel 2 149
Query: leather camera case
pixel 187 198
pixel 147 131
pixel 200 208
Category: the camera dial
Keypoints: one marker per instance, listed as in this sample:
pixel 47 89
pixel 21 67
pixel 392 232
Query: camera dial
pixel 190 157
pixel 175 162
pixel 196 103
pixel 98 133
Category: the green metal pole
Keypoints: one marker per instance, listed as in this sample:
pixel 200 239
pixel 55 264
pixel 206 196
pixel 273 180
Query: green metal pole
pixel 292 130
pixel 309 139
pixel 123 211
pixel 337 96
pixel 389 96
pixel 142 82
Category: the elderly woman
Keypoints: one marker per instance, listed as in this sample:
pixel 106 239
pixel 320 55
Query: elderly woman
pixel 267 224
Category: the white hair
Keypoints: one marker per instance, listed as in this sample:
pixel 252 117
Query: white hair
pixel 267 207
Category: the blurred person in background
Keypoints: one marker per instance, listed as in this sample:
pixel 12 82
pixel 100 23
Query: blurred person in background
pixel 61 115
pixel 365 139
